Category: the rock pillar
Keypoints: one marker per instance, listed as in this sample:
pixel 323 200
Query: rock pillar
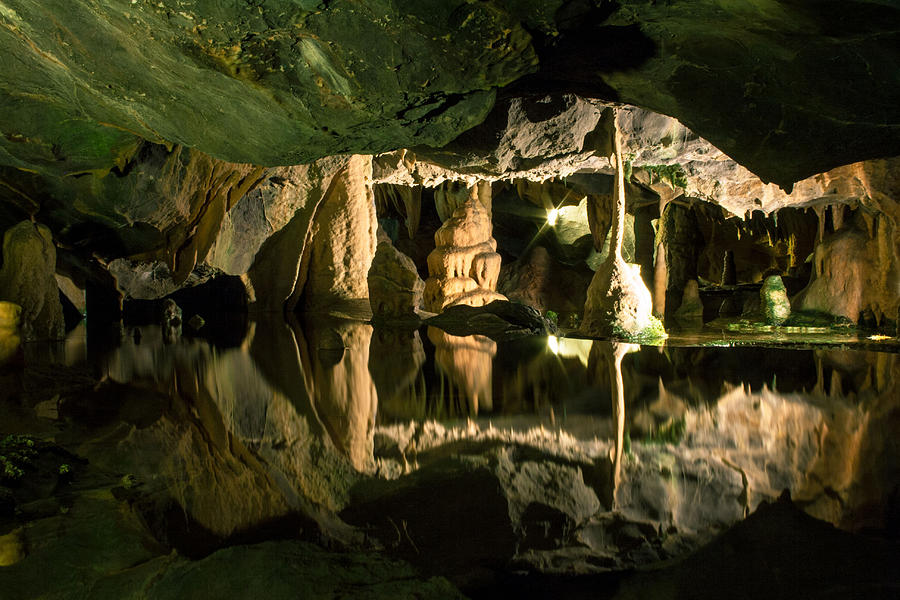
pixel 343 242
pixel 464 267
pixel 618 303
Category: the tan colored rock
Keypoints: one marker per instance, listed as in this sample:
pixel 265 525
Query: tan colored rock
pixel 855 270
pixel 395 288
pixel 27 278
pixel 464 266
pixel 343 242
pixel 264 235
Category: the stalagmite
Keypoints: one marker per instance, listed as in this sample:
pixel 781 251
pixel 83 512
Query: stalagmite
pixel 464 267
pixel 618 303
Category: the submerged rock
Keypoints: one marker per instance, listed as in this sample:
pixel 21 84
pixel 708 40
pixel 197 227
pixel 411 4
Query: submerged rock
pixel 501 319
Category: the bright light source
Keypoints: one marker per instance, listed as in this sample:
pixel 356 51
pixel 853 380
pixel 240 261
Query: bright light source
pixel 552 216
pixel 553 344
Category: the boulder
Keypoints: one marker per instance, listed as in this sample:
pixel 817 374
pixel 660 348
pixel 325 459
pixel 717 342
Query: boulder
pixel 27 278
pixel 501 319
pixel 395 288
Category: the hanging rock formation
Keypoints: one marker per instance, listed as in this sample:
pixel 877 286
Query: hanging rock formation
pixel 464 266
pixel 27 279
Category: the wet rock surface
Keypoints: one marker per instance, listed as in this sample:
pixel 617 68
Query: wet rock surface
pixel 499 319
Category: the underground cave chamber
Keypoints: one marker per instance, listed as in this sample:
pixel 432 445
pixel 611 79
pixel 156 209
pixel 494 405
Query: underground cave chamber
pixel 516 334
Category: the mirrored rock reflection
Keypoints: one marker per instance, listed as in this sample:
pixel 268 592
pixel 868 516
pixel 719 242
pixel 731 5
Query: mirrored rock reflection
pixel 558 453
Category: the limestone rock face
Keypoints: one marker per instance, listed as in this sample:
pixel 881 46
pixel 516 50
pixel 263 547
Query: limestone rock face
pixel 539 281
pixel 234 83
pixel 774 301
pixel 343 241
pixel 395 288
pixel 464 266
pixel 27 278
pixel 856 270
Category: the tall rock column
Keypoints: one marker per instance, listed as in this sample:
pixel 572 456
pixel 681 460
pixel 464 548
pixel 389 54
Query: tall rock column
pixel 618 303
pixel 344 238
pixel 464 267
pixel 27 278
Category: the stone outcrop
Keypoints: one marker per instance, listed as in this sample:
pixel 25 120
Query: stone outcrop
pixel 27 278
pixel 539 281
pixel 395 288
pixel 464 267
pixel 499 320
pixel 856 272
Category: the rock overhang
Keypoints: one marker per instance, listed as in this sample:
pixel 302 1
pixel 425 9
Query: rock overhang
pixel 786 89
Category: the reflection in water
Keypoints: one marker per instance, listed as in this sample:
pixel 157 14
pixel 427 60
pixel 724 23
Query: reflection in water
pixel 611 354
pixel 343 392
pixel 468 363
pixel 687 439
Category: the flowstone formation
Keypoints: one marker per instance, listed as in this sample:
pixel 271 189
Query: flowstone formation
pixel 27 279
pixel 618 302
pixel 464 266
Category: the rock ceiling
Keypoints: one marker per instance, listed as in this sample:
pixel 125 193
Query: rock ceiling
pixel 132 128
pixel 788 89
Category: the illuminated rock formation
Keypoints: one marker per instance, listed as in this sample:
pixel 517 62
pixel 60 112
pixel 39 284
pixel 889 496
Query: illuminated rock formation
pixel 395 288
pixel 464 266
pixel 618 302
pixel 343 242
